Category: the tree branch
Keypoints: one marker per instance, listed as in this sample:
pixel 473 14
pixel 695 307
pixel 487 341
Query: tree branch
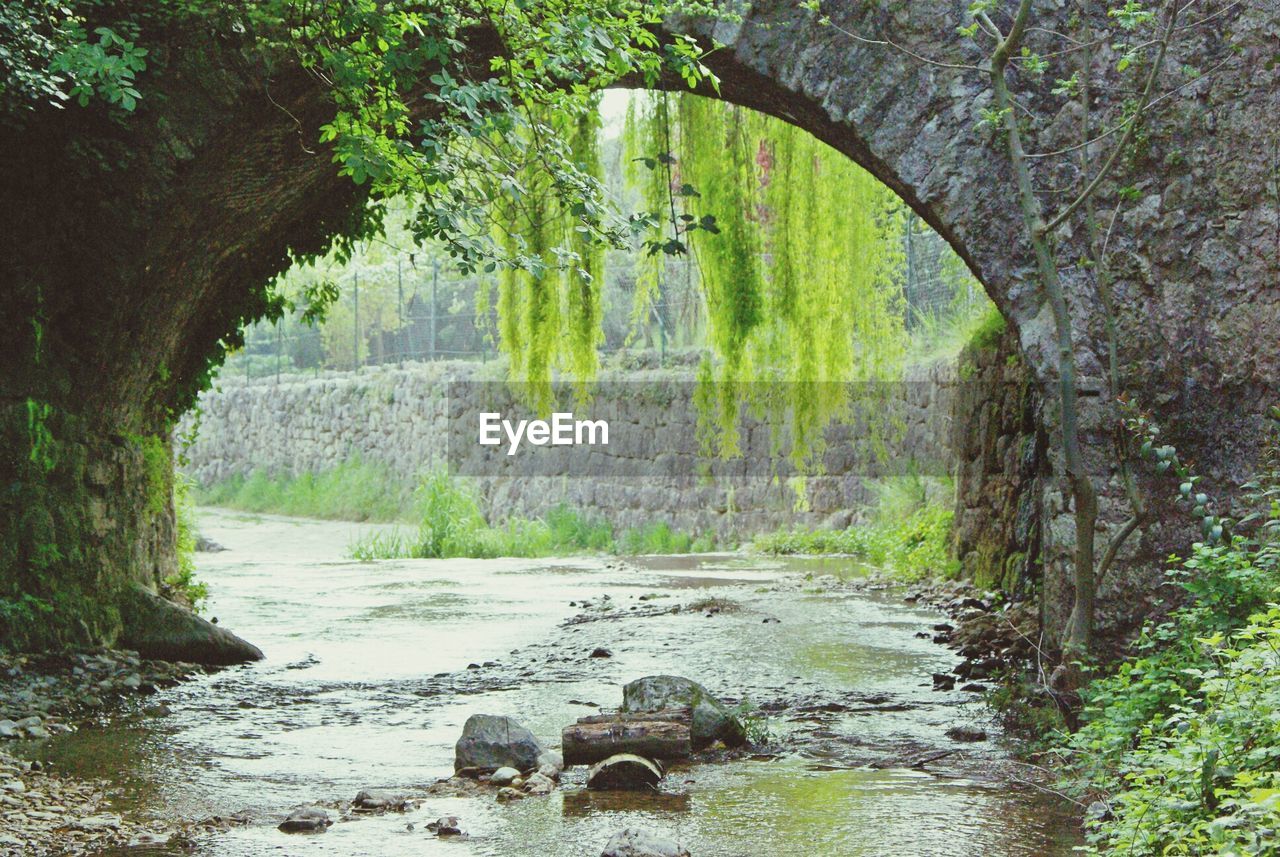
pixel 1171 18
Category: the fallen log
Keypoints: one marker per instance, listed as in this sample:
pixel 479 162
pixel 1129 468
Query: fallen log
pixel 668 715
pixel 585 743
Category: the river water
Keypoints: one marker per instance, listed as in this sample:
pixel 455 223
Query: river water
pixel 372 668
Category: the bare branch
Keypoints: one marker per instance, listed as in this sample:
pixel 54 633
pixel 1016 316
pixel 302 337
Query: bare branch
pixel 1171 20
pixel 897 47
pixel 1113 547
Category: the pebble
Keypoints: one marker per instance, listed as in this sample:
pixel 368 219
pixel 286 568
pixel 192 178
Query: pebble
pixel 47 694
pixel 538 784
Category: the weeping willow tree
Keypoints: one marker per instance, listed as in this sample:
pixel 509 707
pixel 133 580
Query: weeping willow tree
pixel 549 295
pixel 801 275
pixel 798 254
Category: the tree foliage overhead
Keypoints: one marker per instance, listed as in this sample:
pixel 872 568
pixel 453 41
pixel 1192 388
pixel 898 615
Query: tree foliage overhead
pixel 485 113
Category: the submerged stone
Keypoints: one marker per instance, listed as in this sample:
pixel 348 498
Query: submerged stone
pixel 636 842
pixel 307 819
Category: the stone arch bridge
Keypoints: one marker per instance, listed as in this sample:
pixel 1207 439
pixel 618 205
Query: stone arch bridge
pixel 132 248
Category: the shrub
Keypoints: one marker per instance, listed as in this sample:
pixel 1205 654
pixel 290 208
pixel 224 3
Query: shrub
pixel 451 523
pixel 909 534
pixel 1183 738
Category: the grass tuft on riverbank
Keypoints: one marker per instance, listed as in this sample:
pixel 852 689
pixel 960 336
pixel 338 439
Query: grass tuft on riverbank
pixel 909 533
pixel 355 490
pixel 452 523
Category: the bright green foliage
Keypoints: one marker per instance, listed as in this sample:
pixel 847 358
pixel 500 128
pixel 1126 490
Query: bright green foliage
pixel 549 302
pixel 48 55
pixel 909 534
pixel 353 491
pixel 1183 739
pixel 798 251
pixel 647 138
pixel 183 584
pixel 452 524
pixel 986 335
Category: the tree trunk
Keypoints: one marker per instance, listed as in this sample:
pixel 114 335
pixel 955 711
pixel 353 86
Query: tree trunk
pixel 594 739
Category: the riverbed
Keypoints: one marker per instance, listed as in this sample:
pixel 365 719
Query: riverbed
pixel 372 668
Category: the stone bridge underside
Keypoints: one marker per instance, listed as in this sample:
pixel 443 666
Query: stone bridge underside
pixel 131 248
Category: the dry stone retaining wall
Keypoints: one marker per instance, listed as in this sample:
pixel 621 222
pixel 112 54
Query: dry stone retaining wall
pixel 400 417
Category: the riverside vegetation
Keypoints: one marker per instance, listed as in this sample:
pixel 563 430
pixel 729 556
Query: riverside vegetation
pixel 1180 743
pixel 448 513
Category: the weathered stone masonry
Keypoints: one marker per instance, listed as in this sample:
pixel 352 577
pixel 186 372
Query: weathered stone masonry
pixel 400 418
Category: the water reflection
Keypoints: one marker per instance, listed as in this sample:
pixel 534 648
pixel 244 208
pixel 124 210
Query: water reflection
pixel 367 684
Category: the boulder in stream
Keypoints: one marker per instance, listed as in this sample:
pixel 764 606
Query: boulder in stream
pixel 307 819
pixel 503 776
pixel 712 719
pixel 381 800
pixel 537 784
pixel 636 842
pixel 446 825
pixel 160 630
pixel 967 733
pixel 551 763
pixel 624 771
pixel 490 742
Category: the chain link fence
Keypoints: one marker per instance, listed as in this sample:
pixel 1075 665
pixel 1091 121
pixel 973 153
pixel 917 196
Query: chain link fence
pixel 428 317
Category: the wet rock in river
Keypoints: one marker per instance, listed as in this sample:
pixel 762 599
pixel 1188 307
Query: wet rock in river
pixel 447 825
pixel 490 742
pixel 967 733
pixel 537 784
pixel 157 628
pixel 551 759
pixel 307 819
pixel 206 545
pixel 601 652
pixel 503 776
pixel 712 719
pixel 508 793
pixel 636 842
pixel 624 771
pixel 381 800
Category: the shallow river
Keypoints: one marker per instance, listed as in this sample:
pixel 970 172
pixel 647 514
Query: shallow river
pixel 366 683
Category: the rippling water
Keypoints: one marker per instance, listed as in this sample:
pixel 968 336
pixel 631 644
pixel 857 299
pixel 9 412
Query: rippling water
pixel 366 683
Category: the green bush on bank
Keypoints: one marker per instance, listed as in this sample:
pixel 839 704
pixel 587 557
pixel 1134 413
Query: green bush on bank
pixel 451 523
pixel 1182 740
pixel 909 534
